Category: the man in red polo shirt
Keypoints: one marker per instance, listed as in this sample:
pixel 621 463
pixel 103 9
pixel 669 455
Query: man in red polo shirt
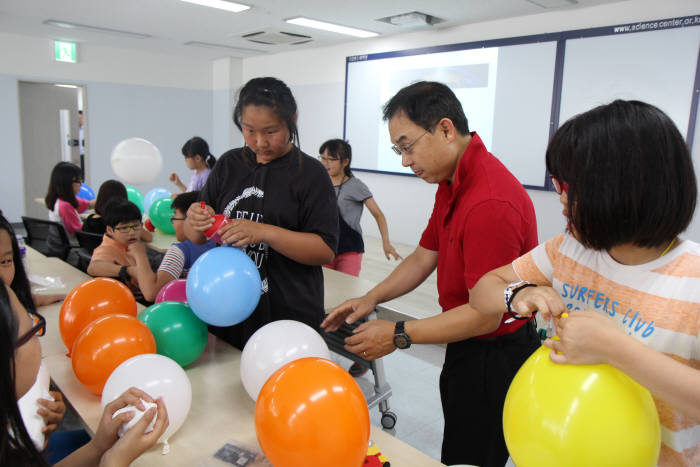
pixel 482 219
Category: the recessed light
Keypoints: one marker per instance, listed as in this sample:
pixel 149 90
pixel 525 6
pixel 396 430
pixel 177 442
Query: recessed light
pixel 220 4
pixel 72 86
pixel 312 23
pixel 86 27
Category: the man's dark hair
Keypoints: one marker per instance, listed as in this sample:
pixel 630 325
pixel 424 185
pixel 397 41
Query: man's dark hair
pixel 120 210
pixel 629 174
pixel 183 201
pixel 425 103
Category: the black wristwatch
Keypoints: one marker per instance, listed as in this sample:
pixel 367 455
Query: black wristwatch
pixel 123 274
pixel 401 339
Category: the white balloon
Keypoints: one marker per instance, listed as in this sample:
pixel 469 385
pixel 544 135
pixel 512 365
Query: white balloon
pixel 158 376
pixel 273 346
pixel 136 161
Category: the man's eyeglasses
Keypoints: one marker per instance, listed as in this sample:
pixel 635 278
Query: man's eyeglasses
pixel 39 329
pixel 128 228
pixel 177 219
pixel 559 186
pixel 405 149
pixel 328 159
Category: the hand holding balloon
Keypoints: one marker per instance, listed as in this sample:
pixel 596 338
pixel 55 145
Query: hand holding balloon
pixel 585 338
pixel 200 216
pixel 135 417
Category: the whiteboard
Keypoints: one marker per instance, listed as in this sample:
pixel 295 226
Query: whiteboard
pixel 657 67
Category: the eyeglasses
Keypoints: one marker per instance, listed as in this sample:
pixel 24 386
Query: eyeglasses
pixel 328 159
pixel 407 148
pixel 177 219
pixel 128 228
pixel 77 180
pixel 559 186
pixel 39 329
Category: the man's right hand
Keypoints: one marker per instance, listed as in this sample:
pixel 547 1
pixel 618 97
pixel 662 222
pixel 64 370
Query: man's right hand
pixel 348 312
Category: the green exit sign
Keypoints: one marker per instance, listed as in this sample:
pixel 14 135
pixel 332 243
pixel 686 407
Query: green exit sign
pixel 65 51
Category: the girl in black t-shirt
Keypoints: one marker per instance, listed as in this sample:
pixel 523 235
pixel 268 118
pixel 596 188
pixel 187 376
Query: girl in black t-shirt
pixel 283 208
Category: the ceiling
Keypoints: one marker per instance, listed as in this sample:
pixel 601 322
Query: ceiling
pixel 172 23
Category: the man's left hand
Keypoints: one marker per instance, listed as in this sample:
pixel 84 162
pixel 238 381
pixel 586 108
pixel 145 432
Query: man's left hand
pixel 372 339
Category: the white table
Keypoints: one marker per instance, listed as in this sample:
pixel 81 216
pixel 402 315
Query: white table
pixel 221 409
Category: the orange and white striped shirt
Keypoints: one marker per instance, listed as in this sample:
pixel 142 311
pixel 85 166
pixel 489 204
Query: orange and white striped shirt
pixel 657 303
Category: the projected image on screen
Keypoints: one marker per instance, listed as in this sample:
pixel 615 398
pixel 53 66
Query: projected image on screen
pixel 500 89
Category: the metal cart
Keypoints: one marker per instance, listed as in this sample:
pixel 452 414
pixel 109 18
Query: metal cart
pixel 382 390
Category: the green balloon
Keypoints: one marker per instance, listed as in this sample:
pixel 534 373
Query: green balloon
pixel 160 213
pixel 179 334
pixel 135 197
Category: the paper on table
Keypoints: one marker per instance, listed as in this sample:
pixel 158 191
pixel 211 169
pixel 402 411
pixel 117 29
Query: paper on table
pixel 46 282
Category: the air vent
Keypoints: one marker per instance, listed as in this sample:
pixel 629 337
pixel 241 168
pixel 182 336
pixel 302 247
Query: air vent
pixel 238 51
pixel 277 38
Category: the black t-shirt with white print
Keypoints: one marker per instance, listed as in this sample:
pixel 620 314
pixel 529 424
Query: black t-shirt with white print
pixel 293 192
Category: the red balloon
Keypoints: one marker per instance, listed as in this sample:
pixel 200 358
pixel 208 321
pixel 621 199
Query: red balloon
pixel 149 225
pixel 90 300
pixel 105 344
pixel 311 412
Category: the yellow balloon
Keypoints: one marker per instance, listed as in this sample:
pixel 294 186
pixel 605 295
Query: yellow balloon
pixel 578 415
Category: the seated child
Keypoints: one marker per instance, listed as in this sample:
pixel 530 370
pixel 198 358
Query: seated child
pixel 112 259
pixel 109 190
pixel 179 257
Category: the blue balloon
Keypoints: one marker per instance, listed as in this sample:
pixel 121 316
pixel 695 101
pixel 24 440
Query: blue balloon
pixel 153 195
pixel 223 286
pixel 86 192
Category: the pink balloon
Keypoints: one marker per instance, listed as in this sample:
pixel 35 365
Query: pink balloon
pixel 173 291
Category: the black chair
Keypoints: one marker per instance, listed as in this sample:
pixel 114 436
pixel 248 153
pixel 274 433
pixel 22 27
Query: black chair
pixel 88 241
pixel 47 237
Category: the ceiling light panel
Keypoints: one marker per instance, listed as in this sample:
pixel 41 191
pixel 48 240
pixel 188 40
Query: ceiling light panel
pixel 87 27
pixel 312 23
pixel 220 4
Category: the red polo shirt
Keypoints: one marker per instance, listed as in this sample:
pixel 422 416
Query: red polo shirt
pixel 482 221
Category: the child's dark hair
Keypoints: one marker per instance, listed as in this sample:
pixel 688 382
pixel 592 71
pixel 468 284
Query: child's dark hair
pixel 109 190
pixel 20 283
pixel 425 103
pixel 61 184
pixel 629 174
pixel 340 149
pixel 196 146
pixel 120 210
pixel 16 447
pixel 183 201
pixel 274 94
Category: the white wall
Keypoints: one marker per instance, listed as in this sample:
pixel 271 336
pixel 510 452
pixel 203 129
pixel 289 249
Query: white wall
pixel 166 99
pixel 407 202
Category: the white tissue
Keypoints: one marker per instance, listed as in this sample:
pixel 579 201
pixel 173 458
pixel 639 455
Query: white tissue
pixel 137 416
pixel 28 406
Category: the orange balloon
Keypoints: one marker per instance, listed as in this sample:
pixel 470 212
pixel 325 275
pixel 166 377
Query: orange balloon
pixel 311 412
pixel 90 300
pixel 105 344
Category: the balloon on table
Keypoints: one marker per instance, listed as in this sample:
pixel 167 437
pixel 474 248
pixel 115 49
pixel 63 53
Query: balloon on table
pixel 173 291
pixel 223 286
pixel 578 415
pixel 311 412
pixel 273 346
pixel 90 300
pixel 135 196
pixel 179 334
pixel 149 225
pixel 154 194
pixel 158 376
pixel 136 161
pixel 104 344
pixel 86 192
pixel 160 213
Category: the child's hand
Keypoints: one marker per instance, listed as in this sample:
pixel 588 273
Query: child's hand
pixel 106 434
pixel 135 442
pixel 137 250
pixel 585 338
pixel 174 178
pixel 198 218
pixel 542 299
pixel 52 412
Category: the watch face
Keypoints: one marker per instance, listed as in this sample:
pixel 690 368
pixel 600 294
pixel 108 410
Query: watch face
pixel 400 341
